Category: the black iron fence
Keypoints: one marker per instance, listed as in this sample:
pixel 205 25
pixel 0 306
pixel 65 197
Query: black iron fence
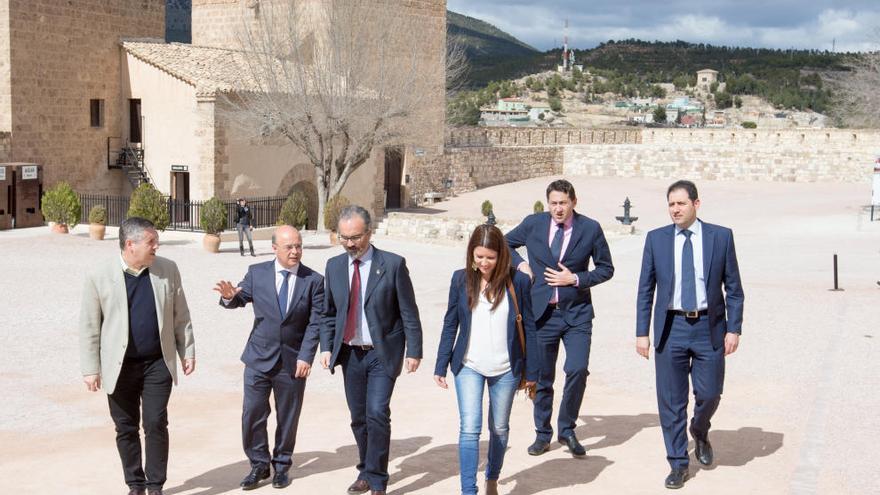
pixel 185 215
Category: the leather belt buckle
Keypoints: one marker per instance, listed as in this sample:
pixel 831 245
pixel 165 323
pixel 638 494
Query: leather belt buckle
pixel 361 347
pixel 691 314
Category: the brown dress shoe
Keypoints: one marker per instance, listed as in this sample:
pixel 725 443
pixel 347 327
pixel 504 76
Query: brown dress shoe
pixel 359 486
pixel 491 487
pixel 377 492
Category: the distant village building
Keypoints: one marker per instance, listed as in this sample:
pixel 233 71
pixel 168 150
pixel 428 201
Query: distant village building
pixel 506 112
pixel 705 78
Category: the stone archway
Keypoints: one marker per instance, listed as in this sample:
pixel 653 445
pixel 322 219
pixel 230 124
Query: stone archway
pixel 301 177
pixel 311 193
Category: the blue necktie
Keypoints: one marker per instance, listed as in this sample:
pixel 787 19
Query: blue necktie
pixel 556 245
pixel 282 294
pixel 688 278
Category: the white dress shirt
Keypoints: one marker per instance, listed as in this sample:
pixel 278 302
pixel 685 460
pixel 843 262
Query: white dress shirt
pixel 362 330
pixel 699 276
pixel 487 352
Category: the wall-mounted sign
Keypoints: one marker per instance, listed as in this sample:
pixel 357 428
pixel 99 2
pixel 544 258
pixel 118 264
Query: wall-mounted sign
pixel 2 173
pixel 179 168
pixel 419 152
pixel 29 172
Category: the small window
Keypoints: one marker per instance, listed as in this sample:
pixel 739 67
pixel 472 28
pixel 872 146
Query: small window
pixel 96 111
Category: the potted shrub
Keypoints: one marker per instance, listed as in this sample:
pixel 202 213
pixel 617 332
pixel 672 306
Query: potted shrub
pixel 61 206
pixel 147 202
pixel 538 207
pixel 331 215
pixel 293 211
pixel 213 218
pixel 97 222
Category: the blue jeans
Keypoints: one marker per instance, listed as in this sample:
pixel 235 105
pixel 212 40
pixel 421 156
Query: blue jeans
pixel 469 389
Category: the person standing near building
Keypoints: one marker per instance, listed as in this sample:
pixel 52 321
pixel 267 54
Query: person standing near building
pixel 560 244
pixel 244 224
pixel 692 267
pixel 134 319
pixel 287 298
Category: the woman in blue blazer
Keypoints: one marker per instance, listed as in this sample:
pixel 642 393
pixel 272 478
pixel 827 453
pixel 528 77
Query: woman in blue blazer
pixel 481 344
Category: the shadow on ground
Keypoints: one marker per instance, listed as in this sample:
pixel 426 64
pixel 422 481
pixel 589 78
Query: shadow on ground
pixel 739 447
pixel 226 478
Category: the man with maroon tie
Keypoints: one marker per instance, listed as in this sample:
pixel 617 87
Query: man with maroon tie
pixel 371 322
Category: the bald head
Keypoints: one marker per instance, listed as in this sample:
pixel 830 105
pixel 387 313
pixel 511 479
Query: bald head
pixel 287 244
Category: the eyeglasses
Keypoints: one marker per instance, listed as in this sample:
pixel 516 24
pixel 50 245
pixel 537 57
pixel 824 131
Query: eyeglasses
pixel 354 238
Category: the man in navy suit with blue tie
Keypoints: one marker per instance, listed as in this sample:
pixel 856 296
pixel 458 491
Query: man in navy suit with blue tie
pixel 560 245
pixel 287 298
pixel 698 312
pixel 371 328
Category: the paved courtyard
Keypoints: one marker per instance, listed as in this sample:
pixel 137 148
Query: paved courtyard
pixel 798 414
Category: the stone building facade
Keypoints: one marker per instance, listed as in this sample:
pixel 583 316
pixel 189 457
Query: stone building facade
pixel 59 65
pixel 80 79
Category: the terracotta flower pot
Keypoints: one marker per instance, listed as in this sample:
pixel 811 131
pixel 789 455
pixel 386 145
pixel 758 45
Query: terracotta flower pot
pixel 211 243
pixel 96 231
pixel 60 228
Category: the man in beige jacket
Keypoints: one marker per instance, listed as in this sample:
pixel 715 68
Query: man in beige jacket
pixel 133 321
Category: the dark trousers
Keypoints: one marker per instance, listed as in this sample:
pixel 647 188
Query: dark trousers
pixel 142 385
pixel 368 391
pixel 552 329
pixel 687 351
pixel 288 392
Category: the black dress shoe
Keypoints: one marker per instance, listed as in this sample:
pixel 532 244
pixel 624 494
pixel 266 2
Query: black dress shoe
pixel 702 450
pixel 154 491
pixel 573 445
pixel 252 480
pixel 359 486
pixel 137 491
pixel 676 478
pixel 539 447
pixel 280 480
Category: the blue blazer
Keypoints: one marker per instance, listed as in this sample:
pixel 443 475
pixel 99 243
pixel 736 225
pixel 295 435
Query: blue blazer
pixel 458 320
pixel 720 269
pixel 390 306
pixel 292 338
pixel 587 242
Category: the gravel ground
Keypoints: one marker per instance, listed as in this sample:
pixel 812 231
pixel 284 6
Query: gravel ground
pixel 799 394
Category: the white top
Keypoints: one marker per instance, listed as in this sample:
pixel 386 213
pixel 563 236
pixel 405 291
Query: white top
pixel 362 332
pixel 487 352
pixel 699 276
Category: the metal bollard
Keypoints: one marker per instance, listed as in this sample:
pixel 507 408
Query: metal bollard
pixel 836 287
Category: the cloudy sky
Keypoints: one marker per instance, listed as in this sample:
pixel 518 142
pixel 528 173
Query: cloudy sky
pixel 848 25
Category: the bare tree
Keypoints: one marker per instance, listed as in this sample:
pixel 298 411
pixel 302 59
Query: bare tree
pixel 855 91
pixel 337 79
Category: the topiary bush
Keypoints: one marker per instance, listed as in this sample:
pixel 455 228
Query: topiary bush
pixel 538 207
pixel 748 124
pixel 331 211
pixel 293 211
pixel 61 205
pixel 213 216
pixel 486 207
pixel 98 215
pixel 147 202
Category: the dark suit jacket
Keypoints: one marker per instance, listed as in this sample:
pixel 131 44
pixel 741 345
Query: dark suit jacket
pixel 272 338
pixel 458 316
pixel 390 306
pixel 587 242
pixel 719 269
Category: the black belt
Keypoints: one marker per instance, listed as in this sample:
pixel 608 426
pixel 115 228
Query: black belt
pixel 361 347
pixel 553 305
pixel 689 314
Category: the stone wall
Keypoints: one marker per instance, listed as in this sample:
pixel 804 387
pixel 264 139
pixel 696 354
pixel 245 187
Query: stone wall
pixel 5 70
pixel 463 137
pixel 61 55
pixel 5 146
pixel 478 167
pixel 813 155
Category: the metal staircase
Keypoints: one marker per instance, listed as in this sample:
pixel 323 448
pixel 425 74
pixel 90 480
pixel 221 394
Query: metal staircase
pixel 131 161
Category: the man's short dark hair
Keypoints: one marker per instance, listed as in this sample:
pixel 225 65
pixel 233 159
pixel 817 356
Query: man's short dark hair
pixel 562 186
pixel 687 185
pixel 133 228
pixel 351 211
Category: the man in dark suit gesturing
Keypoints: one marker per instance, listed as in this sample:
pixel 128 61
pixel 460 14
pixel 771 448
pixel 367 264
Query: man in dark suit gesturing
pixel 560 245
pixel 696 323
pixel 371 322
pixel 287 298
